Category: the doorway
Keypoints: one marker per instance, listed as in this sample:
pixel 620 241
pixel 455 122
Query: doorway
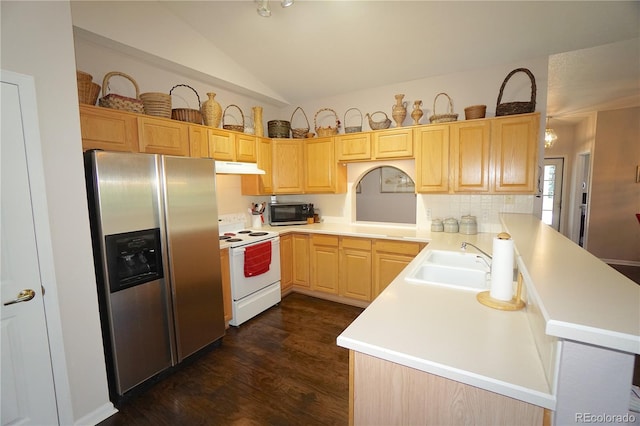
pixel 580 229
pixel 552 191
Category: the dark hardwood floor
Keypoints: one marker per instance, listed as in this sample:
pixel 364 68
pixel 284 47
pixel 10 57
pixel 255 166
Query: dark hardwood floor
pixel 283 367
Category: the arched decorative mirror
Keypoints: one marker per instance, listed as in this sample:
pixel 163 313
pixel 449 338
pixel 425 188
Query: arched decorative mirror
pixel 386 194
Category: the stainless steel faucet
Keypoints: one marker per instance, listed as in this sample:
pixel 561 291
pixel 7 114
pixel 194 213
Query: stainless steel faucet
pixel 465 244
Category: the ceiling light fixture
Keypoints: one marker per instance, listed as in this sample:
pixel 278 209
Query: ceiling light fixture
pixel 263 8
pixel 265 11
pixel 550 136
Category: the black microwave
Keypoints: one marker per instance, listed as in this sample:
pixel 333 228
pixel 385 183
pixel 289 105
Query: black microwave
pixel 289 213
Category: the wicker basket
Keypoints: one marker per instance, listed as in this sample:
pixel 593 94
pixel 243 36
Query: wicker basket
pixel 326 131
pixel 117 101
pixel 352 129
pixel 157 104
pixel 300 132
pixel 88 91
pixel 443 118
pixel 279 129
pixel 235 127
pixel 378 125
pixel 84 77
pixel 187 114
pixel 512 108
pixel 475 111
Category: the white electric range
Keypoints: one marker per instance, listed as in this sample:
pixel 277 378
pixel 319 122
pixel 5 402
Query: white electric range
pixel 251 293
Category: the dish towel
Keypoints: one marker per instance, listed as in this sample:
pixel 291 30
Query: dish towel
pixel 257 259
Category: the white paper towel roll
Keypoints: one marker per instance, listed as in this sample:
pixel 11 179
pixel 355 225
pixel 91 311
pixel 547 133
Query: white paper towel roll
pixel 502 269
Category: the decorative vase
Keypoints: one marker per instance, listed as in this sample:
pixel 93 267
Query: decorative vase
pixel 399 111
pixel 416 114
pixel 257 121
pixel 211 111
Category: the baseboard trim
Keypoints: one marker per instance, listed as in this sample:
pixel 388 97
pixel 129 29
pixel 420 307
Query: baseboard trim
pixel 621 262
pixel 96 416
pixel 331 297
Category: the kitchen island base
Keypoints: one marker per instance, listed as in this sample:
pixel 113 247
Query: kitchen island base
pixel 386 393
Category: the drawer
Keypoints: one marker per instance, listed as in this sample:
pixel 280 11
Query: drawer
pixel 324 240
pixel 400 247
pixel 356 243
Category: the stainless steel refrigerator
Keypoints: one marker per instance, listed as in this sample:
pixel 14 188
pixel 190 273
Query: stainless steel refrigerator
pixel 154 225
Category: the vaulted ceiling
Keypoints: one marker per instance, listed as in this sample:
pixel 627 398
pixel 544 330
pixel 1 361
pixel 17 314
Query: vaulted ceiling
pixel 321 48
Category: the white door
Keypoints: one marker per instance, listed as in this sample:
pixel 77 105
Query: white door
pixel 552 192
pixel 28 395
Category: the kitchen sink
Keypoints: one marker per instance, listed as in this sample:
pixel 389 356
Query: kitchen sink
pixel 452 269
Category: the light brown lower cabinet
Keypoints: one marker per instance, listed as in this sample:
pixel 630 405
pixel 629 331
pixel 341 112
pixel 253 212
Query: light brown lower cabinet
pixel 390 257
pixel 385 393
pixel 300 246
pixel 225 272
pixel 355 268
pixel 343 268
pixel 286 263
pixel 324 263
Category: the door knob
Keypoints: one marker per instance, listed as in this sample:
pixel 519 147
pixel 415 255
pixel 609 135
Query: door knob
pixel 23 296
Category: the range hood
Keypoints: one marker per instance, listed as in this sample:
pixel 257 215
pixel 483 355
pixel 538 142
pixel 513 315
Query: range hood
pixel 236 168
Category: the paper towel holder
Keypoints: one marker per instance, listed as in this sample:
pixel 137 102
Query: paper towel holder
pixel 515 304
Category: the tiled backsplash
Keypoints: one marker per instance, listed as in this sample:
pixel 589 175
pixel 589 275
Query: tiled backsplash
pixel 486 208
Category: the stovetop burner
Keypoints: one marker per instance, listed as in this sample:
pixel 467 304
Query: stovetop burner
pixel 233 231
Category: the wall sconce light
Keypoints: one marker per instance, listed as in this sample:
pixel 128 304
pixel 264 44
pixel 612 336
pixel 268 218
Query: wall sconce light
pixel 264 10
pixel 550 136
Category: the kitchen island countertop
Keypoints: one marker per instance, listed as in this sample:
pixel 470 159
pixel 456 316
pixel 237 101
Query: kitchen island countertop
pixel 447 332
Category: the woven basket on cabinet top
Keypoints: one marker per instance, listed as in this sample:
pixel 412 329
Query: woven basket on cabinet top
pixel 187 114
pixel 123 103
pixel 511 108
pixel 88 91
pixel 157 104
pixel 326 131
pixel 378 125
pixel 443 118
pixel 235 127
pixel 352 129
pixel 300 132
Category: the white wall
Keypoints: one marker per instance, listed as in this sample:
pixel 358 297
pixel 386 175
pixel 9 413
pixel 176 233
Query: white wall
pixel 37 41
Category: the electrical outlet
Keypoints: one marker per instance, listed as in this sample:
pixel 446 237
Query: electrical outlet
pixel 428 214
pixel 509 199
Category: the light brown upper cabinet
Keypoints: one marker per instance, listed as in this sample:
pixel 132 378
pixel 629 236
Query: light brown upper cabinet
pixel 288 161
pixel 393 143
pixel 497 155
pixel 322 173
pixel 432 158
pixel 375 145
pixel 514 146
pixel 162 136
pixel 353 146
pixel 108 129
pixel 198 141
pixel 232 146
pixel 469 143
pixel 260 184
pixel 245 148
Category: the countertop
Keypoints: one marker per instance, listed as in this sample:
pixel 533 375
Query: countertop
pixel 447 332
pixel 581 297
